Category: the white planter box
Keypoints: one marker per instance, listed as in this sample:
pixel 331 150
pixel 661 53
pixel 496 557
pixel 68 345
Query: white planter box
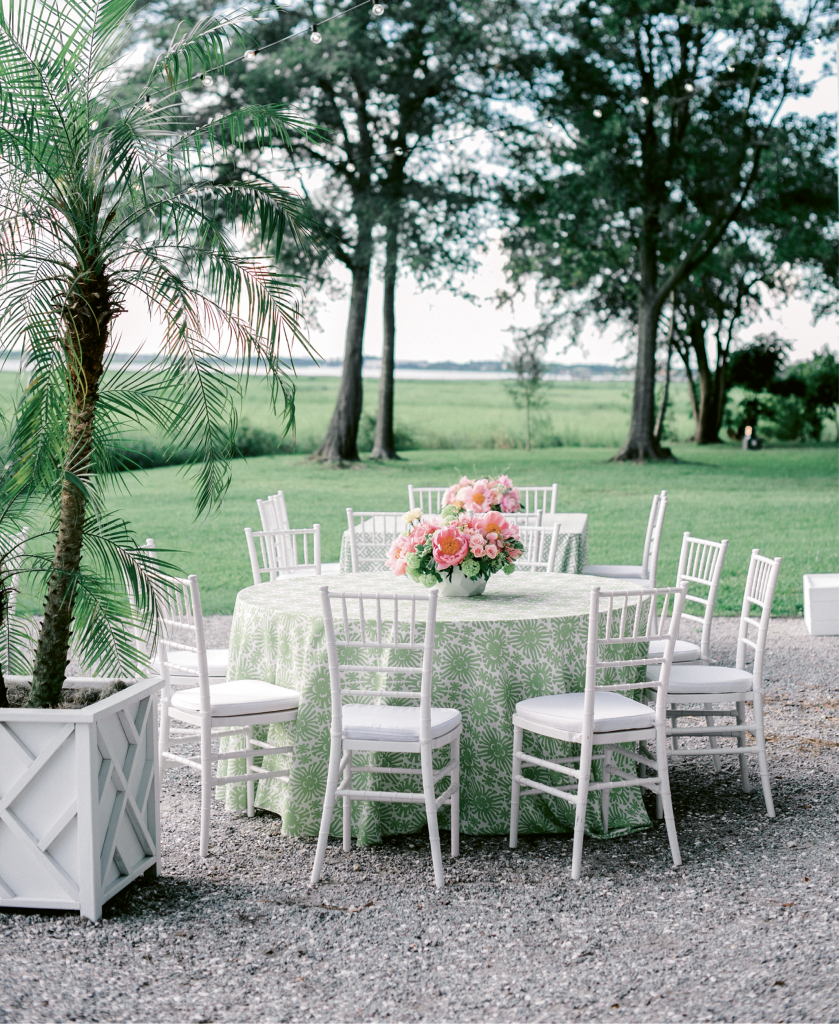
pixel 821 603
pixel 79 801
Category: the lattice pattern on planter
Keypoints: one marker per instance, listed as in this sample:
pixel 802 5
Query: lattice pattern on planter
pixel 78 804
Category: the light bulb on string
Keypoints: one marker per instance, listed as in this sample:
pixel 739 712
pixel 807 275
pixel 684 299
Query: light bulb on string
pixel 378 10
pixel 645 101
pixel 597 112
pixel 147 104
pixel 250 54
pixel 206 80
pixel 688 87
pixel 399 151
pixel 729 67
pixel 316 37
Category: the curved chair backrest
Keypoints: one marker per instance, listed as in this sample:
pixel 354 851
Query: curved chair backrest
pixel 429 499
pixel 379 632
pixel 273 513
pixel 524 518
pixel 183 630
pixel 760 590
pixel 652 541
pixel 371 533
pixel 539 499
pixel 621 620
pixel 540 548
pixel 700 565
pixel 276 553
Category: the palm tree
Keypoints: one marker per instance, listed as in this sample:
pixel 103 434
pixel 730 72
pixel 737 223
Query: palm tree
pixel 102 197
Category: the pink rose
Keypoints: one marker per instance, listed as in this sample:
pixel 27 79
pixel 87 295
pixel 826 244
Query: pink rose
pixel 510 502
pixel 476 546
pixel 449 546
pixel 491 550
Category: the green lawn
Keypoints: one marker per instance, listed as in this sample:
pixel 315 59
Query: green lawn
pixel 782 500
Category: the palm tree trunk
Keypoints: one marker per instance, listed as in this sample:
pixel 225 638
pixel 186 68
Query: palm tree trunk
pixel 341 441
pixel 89 316
pixel 384 445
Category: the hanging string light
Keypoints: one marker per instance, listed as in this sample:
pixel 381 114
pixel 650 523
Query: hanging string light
pixel 206 80
pixel 378 10
pixel 315 37
pixel 597 112
pixel 147 104
pixel 250 54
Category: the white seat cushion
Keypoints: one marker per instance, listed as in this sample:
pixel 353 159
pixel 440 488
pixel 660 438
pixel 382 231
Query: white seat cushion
pixel 390 724
pixel 618 572
pixel 239 697
pixel 705 679
pixel 612 712
pixel 216 662
pixel 685 651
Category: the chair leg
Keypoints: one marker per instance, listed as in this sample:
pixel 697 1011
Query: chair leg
pixel 328 807
pixel 348 807
pixel 516 790
pixel 604 793
pixel 666 798
pixel 455 801
pixel 709 721
pixel 580 816
pixel 426 761
pixel 163 739
pixel 760 737
pixel 206 786
pixel 249 761
pixel 745 785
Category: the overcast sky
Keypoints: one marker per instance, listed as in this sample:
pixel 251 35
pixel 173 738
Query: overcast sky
pixel 435 326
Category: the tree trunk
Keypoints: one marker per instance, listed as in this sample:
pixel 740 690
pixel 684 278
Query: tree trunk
pixel 89 314
pixel 685 355
pixel 384 445
pixel 707 424
pixel 641 445
pixel 665 398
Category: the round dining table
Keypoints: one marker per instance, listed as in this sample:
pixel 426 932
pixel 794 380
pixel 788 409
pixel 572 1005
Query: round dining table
pixel 524 637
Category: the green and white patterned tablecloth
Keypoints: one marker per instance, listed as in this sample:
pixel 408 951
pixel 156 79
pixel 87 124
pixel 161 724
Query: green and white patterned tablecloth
pixel 525 637
pixel 571 556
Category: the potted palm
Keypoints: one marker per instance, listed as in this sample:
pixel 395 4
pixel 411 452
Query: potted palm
pixel 103 196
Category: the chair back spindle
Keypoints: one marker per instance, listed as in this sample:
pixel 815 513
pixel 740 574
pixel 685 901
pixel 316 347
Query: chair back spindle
pixel 279 553
pixel 700 566
pixel 369 533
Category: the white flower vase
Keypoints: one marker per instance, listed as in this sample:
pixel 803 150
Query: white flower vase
pixel 460 585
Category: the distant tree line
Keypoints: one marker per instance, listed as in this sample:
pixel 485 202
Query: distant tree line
pixel 636 162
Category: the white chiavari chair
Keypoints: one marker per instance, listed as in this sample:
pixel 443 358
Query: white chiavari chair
pixel 645 573
pixel 371 534
pixel 273 513
pixel 707 685
pixel 183 664
pixel 210 712
pixel 700 566
pixel 539 499
pixel 429 499
pixel 619 623
pixel 540 548
pixel 384 629
pixel 275 554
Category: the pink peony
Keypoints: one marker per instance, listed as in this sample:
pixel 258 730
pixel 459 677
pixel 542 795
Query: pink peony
pixel 449 546
pixel 492 525
pixel 396 557
pixel 514 553
pixel 510 502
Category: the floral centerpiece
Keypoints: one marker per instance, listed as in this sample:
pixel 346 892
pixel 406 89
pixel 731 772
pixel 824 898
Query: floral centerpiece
pixel 484 495
pixel 458 550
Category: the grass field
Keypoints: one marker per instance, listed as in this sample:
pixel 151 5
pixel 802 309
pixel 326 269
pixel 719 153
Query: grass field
pixel 782 500
pixel 460 414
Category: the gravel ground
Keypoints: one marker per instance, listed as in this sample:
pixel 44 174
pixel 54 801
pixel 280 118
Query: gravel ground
pixel 746 930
